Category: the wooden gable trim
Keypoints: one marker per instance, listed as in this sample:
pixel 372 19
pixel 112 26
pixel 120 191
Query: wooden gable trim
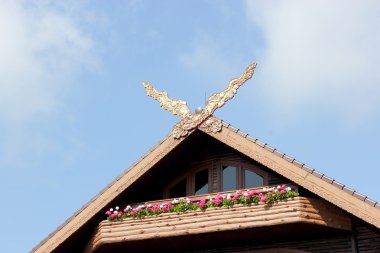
pixel 298 175
pixel 100 202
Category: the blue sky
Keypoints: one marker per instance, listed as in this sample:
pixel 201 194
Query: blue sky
pixel 74 115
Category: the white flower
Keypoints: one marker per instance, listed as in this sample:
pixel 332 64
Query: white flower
pixel 149 205
pixel 175 201
pixel 278 186
pixel 128 207
pixel 288 189
pixel 111 209
pixel 182 200
pixel 115 212
pixel 188 201
pixel 116 208
pixel 228 196
pixel 245 193
pixel 208 197
pixel 224 196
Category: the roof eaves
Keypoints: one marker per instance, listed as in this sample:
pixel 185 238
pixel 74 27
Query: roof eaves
pixel 310 170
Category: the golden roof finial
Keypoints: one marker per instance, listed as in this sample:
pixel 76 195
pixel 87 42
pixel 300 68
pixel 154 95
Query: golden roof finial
pixel 191 120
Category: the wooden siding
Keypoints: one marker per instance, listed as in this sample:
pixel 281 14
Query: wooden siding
pixel 367 237
pixel 340 244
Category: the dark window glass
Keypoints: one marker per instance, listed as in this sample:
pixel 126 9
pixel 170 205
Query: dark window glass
pixel 179 190
pixel 229 178
pixel 201 182
pixel 252 179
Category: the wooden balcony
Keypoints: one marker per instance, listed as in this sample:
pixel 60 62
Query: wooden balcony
pixel 294 217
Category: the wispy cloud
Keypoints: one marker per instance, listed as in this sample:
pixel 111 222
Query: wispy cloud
pixel 41 47
pixel 322 54
pixel 208 55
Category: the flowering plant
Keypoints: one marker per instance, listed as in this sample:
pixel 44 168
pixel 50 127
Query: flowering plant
pixel 246 197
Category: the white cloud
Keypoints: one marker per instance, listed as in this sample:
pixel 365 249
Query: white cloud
pixel 42 46
pixel 320 53
pixel 39 47
pixel 207 55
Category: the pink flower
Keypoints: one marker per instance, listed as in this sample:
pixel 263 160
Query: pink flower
pixel 273 195
pixel 202 203
pixel 283 186
pixel 235 197
pixel 119 214
pixel 113 216
pixel 108 212
pixel 216 201
pixel 283 191
pixel 263 199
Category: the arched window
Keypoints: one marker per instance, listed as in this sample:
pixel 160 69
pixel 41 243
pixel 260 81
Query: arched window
pixel 241 176
pixel 195 182
pixel 252 179
pixel 227 176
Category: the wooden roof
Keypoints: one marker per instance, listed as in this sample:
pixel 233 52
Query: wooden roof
pixel 297 172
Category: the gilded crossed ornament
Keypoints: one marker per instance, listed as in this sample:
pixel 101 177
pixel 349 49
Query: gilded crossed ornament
pixel 202 119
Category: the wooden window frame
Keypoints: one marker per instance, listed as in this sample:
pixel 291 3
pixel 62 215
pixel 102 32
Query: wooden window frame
pixel 190 179
pixel 240 177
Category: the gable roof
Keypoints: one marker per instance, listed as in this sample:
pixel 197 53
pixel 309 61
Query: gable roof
pixel 312 180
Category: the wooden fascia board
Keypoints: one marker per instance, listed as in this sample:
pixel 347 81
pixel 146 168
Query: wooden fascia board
pixel 100 202
pixel 299 176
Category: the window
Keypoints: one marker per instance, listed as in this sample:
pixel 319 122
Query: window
pixel 224 176
pixel 252 179
pixel 195 182
pixel 229 177
pixel 201 182
pixel 241 176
